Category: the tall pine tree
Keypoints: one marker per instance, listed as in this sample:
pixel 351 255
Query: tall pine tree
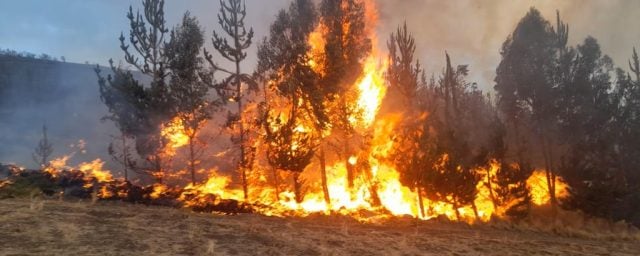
pixel 285 64
pixel 232 46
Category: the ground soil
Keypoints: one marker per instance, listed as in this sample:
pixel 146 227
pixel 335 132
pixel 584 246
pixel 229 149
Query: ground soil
pixel 53 227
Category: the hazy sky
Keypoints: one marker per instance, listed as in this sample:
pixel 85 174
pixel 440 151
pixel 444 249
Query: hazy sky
pixel 471 31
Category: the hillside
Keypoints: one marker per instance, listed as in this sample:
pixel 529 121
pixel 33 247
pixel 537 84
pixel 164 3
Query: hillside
pixel 64 96
pixel 36 227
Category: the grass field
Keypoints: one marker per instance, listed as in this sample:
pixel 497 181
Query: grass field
pixel 52 227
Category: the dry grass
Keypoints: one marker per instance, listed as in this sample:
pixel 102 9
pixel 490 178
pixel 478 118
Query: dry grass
pixel 52 227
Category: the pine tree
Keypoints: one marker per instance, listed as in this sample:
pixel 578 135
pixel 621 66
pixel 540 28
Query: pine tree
pixel 233 48
pixel 404 75
pixel 453 178
pixel 527 80
pixel 345 49
pixel 284 63
pixel 125 99
pixel 44 150
pixel 188 92
pixel 597 127
pixel 147 38
pixel 404 72
pixel 508 187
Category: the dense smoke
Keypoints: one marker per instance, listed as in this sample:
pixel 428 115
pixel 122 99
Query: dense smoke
pixel 473 31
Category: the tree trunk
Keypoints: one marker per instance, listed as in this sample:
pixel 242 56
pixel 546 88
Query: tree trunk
pixel 323 172
pixel 192 163
pixel 158 169
pixel 245 187
pixel 350 174
pixel 125 157
pixel 455 208
pixel 243 164
pixel 554 199
pixel 276 183
pixel 491 193
pixel 297 187
pixel 420 203
pixel 549 175
pixel 475 210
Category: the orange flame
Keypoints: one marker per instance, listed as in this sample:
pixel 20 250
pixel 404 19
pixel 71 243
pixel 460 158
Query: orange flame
pixel 174 132
pixel 537 184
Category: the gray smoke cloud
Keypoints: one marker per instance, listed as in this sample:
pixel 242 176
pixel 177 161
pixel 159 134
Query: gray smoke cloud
pixel 473 31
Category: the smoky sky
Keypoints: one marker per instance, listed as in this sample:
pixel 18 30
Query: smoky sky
pixel 471 31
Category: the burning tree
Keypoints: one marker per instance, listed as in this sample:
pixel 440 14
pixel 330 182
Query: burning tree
pixel 527 79
pixel 403 145
pixel 406 77
pixel 176 94
pixel 290 146
pixel 453 178
pixel 188 92
pixel 506 181
pixel 147 36
pixel 122 95
pixel 231 19
pixel 345 46
pixel 284 62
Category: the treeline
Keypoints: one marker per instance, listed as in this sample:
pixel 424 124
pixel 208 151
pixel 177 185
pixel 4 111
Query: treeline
pixel 8 53
pixel 563 109
pixel 569 111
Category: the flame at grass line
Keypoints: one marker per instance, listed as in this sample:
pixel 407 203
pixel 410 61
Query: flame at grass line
pixel 539 190
pixel 91 170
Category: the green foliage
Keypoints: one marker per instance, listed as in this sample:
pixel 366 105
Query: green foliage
pixel 528 79
pixel 453 178
pixel 585 123
pixel 404 72
pixel 27 184
pixel 189 94
pixel 171 60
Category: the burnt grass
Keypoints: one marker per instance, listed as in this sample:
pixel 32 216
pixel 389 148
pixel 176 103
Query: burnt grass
pixel 84 227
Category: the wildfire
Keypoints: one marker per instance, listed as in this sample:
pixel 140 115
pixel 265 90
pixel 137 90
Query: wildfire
pixel 372 90
pixel 216 186
pixel 540 191
pixel 317 43
pixel 376 187
pixel 174 132
pixel 94 169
